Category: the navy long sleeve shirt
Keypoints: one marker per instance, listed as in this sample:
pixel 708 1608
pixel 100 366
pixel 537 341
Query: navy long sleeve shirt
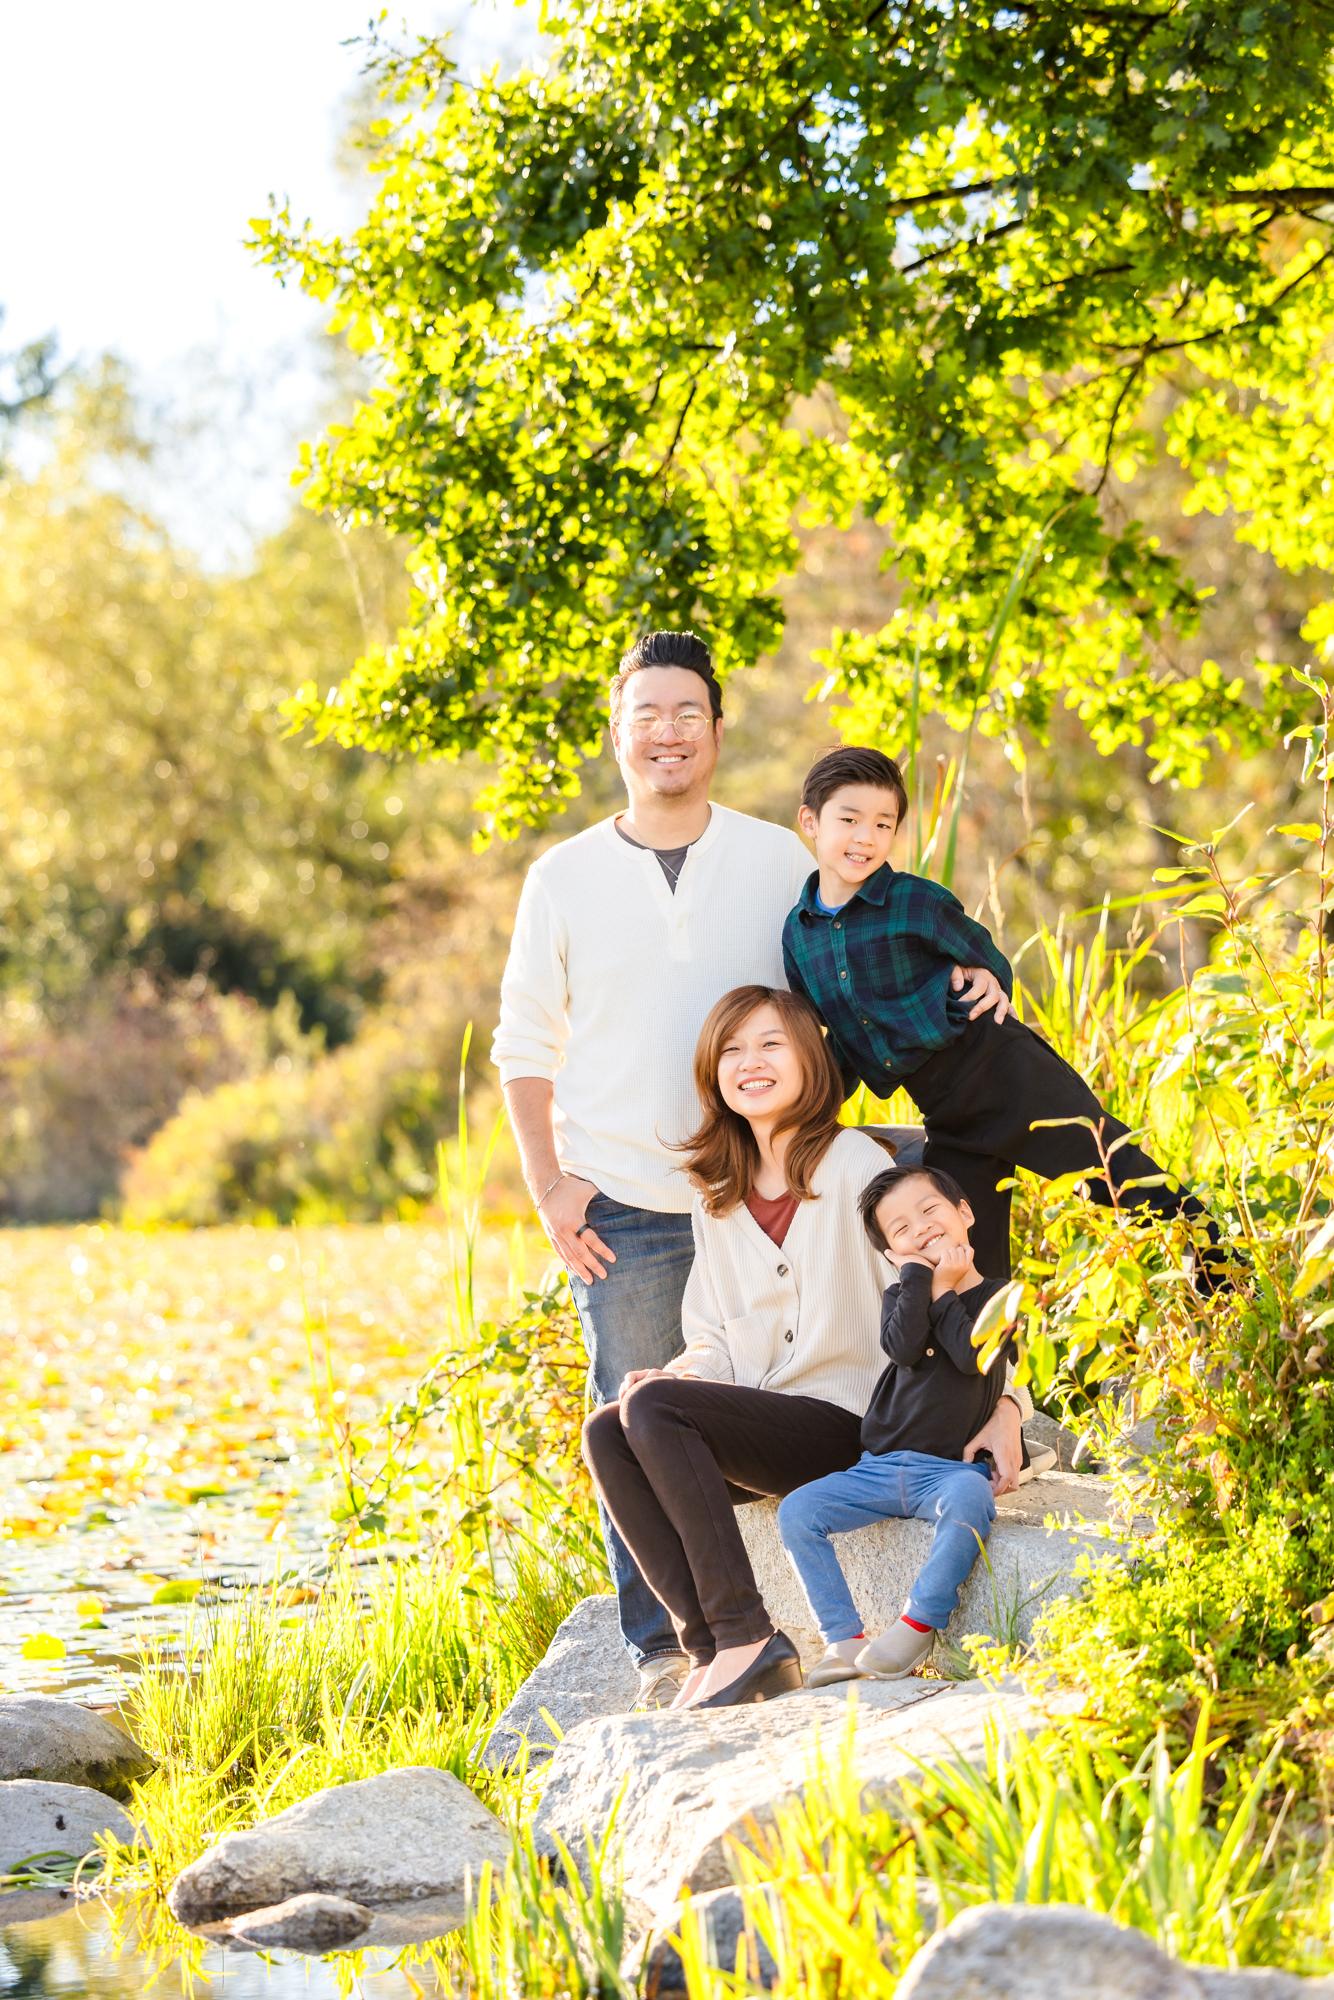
pixel 931 1397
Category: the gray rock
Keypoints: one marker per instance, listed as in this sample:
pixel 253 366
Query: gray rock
pixel 409 1833
pixel 38 1818
pixel 585 1672
pixel 1022 1951
pixel 725 1917
pixel 688 1784
pixel 1045 1434
pixel 41 1737
pixel 311 1923
pixel 1024 1568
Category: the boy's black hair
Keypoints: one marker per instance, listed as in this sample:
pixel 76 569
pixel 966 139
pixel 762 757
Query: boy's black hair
pixel 852 766
pixel 667 649
pixel 875 1191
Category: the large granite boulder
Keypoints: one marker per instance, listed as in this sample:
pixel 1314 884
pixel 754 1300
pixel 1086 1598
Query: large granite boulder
pixel 37 1818
pixel 584 1672
pixel 41 1737
pixel 682 1787
pixel 405 1834
pixel 1026 1563
pixel 1026 1951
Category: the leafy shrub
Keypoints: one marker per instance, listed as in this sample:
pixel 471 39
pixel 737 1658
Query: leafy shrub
pixel 77 1094
pixel 1231 1599
pixel 352 1133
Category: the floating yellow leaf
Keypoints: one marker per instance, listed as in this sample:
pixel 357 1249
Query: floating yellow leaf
pixel 43 1646
pixel 183 1591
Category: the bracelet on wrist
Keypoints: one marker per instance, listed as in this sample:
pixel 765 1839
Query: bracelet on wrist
pixel 538 1199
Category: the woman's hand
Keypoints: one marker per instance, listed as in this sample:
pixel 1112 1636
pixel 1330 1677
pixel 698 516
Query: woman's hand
pixel 651 1375
pixel 579 1247
pixel 981 991
pixel 1002 1435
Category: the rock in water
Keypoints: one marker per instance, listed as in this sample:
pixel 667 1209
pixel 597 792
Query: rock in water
pixel 584 1672
pixel 37 1818
pixel 66 1745
pixel 684 1786
pixel 415 1832
pixel 305 1923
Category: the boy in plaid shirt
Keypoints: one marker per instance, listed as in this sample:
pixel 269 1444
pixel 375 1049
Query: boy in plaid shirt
pixel 873 950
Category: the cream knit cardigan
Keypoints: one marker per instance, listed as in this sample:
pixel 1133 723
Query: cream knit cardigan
pixel 802 1318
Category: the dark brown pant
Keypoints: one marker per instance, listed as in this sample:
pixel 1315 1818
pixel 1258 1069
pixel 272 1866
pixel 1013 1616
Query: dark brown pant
pixel 670 1459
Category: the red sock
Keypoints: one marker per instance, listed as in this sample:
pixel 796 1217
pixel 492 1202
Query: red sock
pixel 916 1624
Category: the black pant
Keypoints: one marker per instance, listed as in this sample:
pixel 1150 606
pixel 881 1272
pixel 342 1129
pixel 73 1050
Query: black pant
pixel 669 1459
pixel 979 1098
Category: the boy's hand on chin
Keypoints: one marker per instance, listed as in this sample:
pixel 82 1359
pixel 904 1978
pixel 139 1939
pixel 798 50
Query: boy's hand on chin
pixel 953 1265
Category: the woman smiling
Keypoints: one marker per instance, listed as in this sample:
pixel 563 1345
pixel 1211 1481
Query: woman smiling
pixel 781 1324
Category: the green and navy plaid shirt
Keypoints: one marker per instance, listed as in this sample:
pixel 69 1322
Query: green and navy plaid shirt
pixel 878 971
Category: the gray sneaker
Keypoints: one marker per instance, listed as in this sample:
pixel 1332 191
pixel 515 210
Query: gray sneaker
pixel 660 1682
pixel 895 1653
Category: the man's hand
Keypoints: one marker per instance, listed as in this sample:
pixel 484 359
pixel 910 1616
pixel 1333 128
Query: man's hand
pixel 954 1268
pixel 981 990
pixel 1002 1436
pixel 580 1249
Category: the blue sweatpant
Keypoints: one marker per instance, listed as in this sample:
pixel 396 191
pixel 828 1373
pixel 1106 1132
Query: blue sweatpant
pixel 897 1485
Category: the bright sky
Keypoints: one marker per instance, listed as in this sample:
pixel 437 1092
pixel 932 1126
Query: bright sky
pixel 136 141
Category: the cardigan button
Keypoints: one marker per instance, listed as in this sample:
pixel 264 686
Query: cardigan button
pixel 930 1353
pixel 782 1270
pixel 788 1334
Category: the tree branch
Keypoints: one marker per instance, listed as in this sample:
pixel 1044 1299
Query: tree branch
pixel 1285 197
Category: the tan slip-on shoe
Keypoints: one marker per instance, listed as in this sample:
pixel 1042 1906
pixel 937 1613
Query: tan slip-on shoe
pixel 838 1663
pixel 895 1653
pixel 659 1682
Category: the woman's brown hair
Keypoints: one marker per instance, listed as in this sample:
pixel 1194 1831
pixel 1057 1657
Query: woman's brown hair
pixel 721 1154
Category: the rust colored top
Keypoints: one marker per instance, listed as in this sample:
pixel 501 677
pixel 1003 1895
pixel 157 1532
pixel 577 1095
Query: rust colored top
pixel 774 1216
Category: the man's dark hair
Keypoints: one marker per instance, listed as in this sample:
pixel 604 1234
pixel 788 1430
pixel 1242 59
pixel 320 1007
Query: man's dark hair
pixel 667 649
pixel 875 1191
pixel 851 766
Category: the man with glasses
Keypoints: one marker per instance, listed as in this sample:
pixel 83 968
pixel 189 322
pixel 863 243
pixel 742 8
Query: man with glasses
pixel 625 936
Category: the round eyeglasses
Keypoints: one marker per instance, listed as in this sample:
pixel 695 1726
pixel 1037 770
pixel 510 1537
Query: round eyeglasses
pixel 688 723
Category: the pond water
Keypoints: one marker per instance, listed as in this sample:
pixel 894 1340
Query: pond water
pixel 166 1406
pixel 84 1951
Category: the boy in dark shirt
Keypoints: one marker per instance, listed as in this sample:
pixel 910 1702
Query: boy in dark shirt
pixel 927 1405
pixel 873 950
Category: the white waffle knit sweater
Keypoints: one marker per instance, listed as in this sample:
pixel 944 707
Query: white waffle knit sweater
pixel 803 1317
pixel 610 977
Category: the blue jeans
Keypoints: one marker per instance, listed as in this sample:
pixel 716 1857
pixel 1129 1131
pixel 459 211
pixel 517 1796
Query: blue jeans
pixel 899 1485
pixel 632 1319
